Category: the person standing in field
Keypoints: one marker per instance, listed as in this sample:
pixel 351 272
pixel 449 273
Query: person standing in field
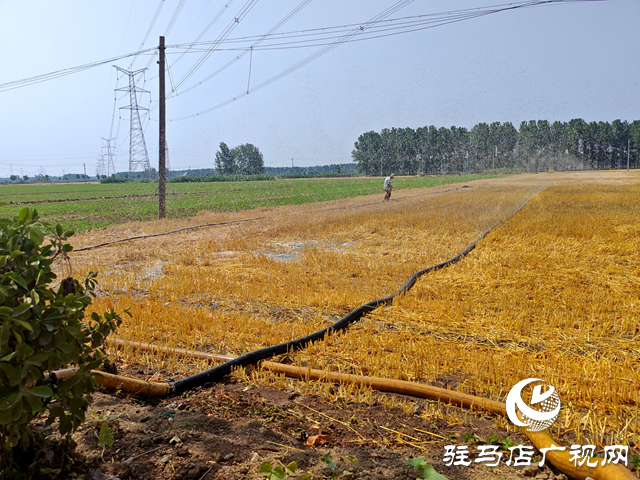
pixel 388 187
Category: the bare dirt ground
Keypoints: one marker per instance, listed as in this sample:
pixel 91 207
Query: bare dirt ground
pixel 227 430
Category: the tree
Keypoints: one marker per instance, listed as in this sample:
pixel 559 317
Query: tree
pixel 406 147
pixel 367 153
pixel 25 178
pixel 619 134
pixel 460 148
pixel 481 146
pixel 14 178
pixel 634 135
pixel 424 148
pixel 444 149
pixel 247 159
pixel 43 329
pixel 507 144
pixel 575 139
pixel 225 164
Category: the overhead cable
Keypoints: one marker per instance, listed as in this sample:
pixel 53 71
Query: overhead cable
pixel 244 11
pixel 146 36
pixel 354 32
pixel 211 23
pixel 67 71
pixel 336 29
pixel 172 21
pixel 361 29
pixel 174 17
pixel 254 45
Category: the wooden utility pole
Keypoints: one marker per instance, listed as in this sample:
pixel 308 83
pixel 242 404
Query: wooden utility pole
pixel 162 147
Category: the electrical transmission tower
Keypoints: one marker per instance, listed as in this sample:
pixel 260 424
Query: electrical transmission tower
pixel 138 155
pixel 100 166
pixel 108 153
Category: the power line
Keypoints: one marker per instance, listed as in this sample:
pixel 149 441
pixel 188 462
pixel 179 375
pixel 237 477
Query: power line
pixel 244 11
pixel 405 24
pixel 362 28
pixel 174 17
pixel 67 71
pixel 200 14
pixel 146 35
pixel 172 21
pixel 126 25
pixel 215 19
pixel 169 70
pixel 255 44
pixel 389 11
pixel 336 29
pixel 189 47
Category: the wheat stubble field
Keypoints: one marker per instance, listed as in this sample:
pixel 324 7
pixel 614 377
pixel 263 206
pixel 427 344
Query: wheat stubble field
pixel 550 293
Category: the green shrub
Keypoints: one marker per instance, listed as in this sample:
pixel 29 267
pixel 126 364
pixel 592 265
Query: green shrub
pixel 115 180
pixel 43 328
pixel 222 178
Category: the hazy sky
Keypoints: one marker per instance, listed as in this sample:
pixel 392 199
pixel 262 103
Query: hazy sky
pixel 550 62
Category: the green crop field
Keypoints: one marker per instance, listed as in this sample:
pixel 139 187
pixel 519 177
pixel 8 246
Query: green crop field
pixel 85 206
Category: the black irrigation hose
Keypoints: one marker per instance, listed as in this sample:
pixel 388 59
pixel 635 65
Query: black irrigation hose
pixel 219 371
pixel 237 221
pixel 164 233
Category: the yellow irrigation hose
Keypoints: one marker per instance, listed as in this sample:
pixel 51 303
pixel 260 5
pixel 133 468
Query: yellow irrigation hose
pixel 540 440
pixel 119 382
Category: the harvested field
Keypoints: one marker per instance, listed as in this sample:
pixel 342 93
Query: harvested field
pixel 551 293
pixel 85 206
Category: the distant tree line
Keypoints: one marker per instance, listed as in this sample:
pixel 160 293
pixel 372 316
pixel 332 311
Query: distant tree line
pixel 245 159
pixel 221 178
pixel 535 146
pixel 317 170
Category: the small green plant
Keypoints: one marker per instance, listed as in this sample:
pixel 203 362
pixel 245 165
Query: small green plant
pixel 470 437
pixel 43 329
pixel 280 472
pixel 635 461
pixel 105 437
pixel 494 439
pixel 507 443
pixel 336 467
pixel 425 470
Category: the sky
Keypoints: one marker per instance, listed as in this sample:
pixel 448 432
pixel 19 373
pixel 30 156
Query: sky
pixel 551 62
